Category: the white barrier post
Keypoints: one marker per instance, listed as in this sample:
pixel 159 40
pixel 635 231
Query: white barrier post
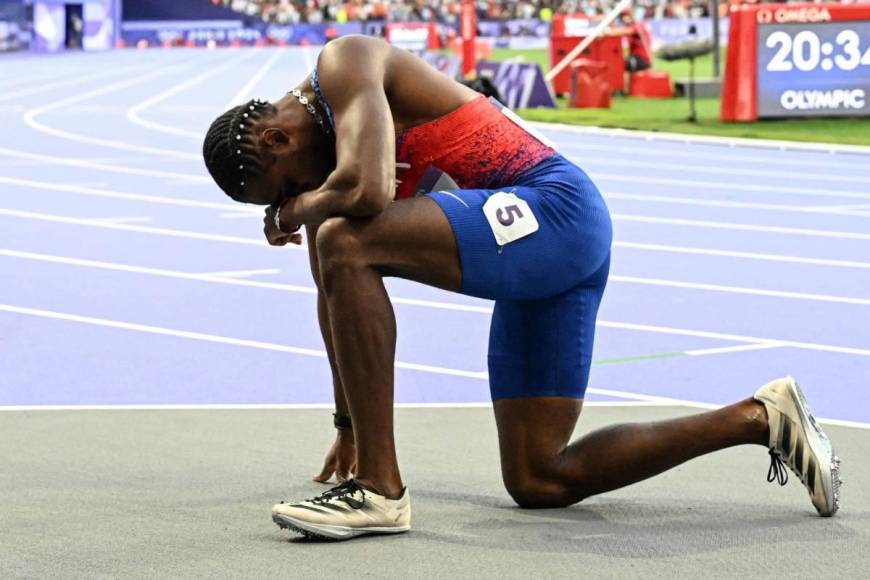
pixel 596 32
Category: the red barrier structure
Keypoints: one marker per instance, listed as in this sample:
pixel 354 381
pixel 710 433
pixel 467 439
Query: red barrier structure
pixel 567 32
pixel 468 33
pixel 589 84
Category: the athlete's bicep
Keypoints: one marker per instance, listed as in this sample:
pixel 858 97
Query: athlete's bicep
pixel 352 79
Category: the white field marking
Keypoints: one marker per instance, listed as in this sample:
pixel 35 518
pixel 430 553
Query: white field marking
pixel 235 215
pixel 707 184
pixel 83 190
pixel 226 281
pixel 90 184
pixel 215 338
pixel 242 273
pixel 134 112
pixel 733 337
pixel 688 153
pixel 741 227
pixel 746 142
pixel 76 80
pixel 730 349
pixel 742 255
pixel 728 170
pixel 245 92
pixel 326 406
pixel 740 290
pixel 74 162
pixel 650 398
pixel 838 208
pixel 832 210
pixel 295 406
pixel 184 109
pixel 614 277
pixel 132 228
pixel 32 115
pixel 122 220
pixel 429 303
pixel 309 64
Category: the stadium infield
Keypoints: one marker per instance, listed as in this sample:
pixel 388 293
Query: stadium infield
pixel 671 115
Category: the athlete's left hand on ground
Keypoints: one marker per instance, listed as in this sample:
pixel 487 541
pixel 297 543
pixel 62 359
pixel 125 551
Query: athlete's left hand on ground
pixel 340 459
pixel 276 237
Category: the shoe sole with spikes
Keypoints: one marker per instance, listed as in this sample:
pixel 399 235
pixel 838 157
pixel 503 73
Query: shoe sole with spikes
pixel 327 532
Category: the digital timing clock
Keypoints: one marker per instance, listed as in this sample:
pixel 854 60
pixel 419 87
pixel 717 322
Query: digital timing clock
pixel 797 60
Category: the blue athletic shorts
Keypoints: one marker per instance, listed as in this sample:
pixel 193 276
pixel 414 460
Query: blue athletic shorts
pixel 547 285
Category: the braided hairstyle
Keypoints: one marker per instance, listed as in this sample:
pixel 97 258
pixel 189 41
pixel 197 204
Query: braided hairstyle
pixel 231 153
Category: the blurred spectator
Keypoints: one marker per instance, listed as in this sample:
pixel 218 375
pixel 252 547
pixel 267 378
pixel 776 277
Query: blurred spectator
pixel 447 11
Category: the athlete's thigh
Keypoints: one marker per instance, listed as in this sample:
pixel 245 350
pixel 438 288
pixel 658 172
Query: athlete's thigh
pixel 532 432
pixel 410 239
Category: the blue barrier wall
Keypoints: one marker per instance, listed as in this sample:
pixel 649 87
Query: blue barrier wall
pixel 177 10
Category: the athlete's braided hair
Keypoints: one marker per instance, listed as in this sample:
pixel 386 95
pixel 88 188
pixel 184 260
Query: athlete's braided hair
pixel 231 152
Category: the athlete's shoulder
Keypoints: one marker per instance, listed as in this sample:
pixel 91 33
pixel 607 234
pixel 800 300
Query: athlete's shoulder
pixel 354 47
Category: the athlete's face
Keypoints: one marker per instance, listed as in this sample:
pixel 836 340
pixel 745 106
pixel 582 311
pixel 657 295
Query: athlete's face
pixel 297 165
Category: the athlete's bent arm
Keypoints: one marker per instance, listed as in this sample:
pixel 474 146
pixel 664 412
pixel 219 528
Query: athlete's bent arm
pixel 363 183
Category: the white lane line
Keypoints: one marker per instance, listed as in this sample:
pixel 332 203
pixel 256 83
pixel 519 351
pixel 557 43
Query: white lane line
pixel 295 406
pixel 122 220
pixel 242 273
pixel 218 339
pixel 86 190
pixel 729 186
pixel 731 349
pixel 688 139
pixel 76 80
pixel 75 162
pixel 742 255
pixel 428 303
pixel 31 117
pixel 306 54
pixel 134 112
pixel 839 207
pixel 656 402
pixel 688 153
pixel 161 272
pixel 733 337
pixel 613 277
pixel 718 169
pixel 235 215
pixel 245 92
pixel 251 214
pixel 740 290
pixel 134 228
pixel 741 227
pixel 667 199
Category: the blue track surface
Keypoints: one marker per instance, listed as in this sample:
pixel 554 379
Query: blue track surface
pixel 126 273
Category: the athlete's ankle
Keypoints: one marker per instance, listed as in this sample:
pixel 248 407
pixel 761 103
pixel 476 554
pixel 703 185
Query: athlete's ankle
pixel 394 491
pixel 755 414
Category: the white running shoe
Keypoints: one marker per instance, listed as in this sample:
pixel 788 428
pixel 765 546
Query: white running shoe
pixel 798 441
pixel 344 512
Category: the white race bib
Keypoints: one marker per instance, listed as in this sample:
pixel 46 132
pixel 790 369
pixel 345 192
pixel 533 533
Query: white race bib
pixel 510 217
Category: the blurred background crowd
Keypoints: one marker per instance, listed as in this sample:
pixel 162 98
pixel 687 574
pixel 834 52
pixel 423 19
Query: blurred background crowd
pixel 447 11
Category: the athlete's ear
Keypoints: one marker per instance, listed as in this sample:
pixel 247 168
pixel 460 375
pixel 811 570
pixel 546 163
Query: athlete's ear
pixel 275 137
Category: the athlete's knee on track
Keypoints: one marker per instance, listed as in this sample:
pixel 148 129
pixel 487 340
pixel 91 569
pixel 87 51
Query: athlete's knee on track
pixel 534 493
pixel 540 490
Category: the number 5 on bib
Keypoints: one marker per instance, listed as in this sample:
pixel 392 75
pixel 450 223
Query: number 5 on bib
pixel 510 217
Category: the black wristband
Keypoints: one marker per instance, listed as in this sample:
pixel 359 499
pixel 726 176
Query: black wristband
pixel 341 422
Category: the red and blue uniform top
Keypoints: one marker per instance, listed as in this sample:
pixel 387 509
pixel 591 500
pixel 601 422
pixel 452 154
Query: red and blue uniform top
pixel 480 145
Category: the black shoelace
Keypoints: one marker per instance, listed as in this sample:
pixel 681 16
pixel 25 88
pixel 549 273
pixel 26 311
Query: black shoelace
pixel 777 471
pixel 343 492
